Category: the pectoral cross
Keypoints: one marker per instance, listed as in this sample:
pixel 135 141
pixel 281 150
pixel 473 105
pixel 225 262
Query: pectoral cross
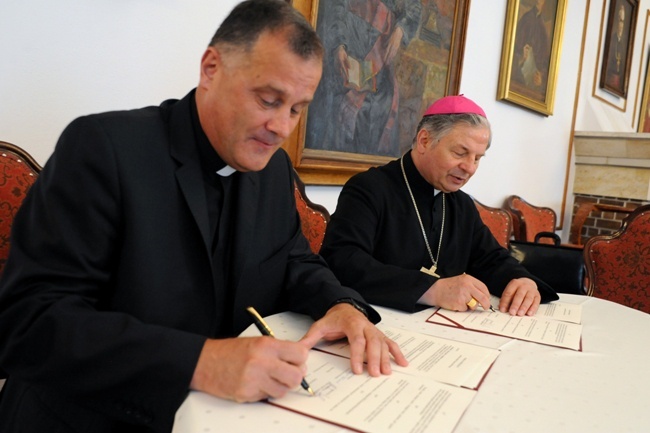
pixel 431 271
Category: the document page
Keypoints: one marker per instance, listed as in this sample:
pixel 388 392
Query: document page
pixel 398 403
pixel 535 329
pixel 447 361
pixel 555 310
pixel 561 311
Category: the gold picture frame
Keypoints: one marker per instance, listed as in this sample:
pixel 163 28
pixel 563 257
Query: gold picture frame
pixel 530 55
pixel 320 162
pixel 644 115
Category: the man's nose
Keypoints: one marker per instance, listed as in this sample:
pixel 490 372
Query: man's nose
pixel 469 166
pixel 282 124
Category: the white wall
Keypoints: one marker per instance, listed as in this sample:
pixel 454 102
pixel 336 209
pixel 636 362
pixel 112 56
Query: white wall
pixel 528 156
pixel 63 59
pixel 599 110
pixel 60 60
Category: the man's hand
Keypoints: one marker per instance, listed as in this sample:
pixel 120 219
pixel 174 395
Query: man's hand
pixel 520 298
pixel 343 320
pixel 249 369
pixel 454 293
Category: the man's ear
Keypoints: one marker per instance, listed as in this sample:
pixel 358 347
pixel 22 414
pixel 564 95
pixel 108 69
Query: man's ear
pixel 210 63
pixel 422 139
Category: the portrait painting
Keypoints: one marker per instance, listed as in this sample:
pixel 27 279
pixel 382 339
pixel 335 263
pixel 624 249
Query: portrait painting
pixel 530 54
pixel 619 41
pixel 385 62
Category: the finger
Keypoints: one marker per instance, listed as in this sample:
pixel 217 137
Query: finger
pixel 312 337
pixel 385 365
pixel 285 377
pixel 396 352
pixel 506 299
pixel 357 343
pixel 479 293
pixel 519 304
pixel 376 353
pixel 533 308
pixel 285 351
pixel 321 329
pixel 531 303
pixel 265 377
pixel 483 300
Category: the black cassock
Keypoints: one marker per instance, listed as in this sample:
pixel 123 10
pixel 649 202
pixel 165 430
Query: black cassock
pixel 375 245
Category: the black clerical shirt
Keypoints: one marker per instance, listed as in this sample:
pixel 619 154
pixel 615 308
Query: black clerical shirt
pixel 219 195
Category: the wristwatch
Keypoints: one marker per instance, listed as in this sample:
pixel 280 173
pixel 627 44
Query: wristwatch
pixel 352 302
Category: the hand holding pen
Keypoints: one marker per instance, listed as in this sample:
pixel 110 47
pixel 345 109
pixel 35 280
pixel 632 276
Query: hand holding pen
pixel 266 330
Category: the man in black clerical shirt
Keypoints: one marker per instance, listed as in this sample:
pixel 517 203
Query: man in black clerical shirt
pixel 148 234
pixel 404 234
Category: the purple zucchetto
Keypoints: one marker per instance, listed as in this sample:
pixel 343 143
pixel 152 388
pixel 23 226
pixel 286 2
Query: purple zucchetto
pixel 457 104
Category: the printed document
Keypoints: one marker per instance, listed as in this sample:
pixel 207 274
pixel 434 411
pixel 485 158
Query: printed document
pixel 536 329
pixel 397 403
pixel 447 361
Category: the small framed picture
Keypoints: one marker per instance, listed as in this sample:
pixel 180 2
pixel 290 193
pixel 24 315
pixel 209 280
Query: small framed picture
pixel 619 41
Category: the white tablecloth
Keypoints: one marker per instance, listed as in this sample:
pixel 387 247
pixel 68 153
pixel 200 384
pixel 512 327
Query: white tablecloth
pixel 530 388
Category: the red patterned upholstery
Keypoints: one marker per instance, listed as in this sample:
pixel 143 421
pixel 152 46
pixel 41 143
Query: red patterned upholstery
pixel 530 219
pixel 498 221
pixel 18 171
pixel 313 217
pixel 618 265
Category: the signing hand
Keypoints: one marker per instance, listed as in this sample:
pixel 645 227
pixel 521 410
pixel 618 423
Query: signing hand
pixel 343 320
pixel 454 293
pixel 249 369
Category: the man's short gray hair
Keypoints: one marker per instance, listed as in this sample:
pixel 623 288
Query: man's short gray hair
pixel 440 125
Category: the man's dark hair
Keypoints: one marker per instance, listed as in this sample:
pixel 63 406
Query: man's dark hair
pixel 249 19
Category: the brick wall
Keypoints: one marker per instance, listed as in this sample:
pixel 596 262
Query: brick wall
pixel 600 222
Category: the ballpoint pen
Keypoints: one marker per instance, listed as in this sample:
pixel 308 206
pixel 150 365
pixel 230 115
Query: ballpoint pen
pixel 266 330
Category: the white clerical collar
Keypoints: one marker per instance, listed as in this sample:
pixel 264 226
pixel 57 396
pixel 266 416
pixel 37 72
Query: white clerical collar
pixel 436 192
pixel 226 171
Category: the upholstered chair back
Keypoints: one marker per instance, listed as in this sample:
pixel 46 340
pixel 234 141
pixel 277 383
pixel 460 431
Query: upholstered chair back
pixel 618 265
pixel 531 219
pixel 498 221
pixel 313 217
pixel 18 171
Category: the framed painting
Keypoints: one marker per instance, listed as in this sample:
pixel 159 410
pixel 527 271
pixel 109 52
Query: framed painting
pixel 619 41
pixel 531 51
pixel 385 62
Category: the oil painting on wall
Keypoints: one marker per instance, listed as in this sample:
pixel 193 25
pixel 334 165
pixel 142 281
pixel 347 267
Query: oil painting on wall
pixel 530 55
pixel 385 61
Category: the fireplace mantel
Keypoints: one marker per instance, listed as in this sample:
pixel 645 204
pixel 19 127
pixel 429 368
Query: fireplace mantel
pixel 612 164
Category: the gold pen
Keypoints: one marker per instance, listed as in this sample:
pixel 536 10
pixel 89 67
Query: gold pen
pixel 265 330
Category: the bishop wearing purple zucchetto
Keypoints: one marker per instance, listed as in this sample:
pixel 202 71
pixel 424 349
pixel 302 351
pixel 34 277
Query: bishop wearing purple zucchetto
pixel 406 236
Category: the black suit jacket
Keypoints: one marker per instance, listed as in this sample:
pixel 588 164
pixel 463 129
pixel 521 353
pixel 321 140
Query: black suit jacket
pixel 108 294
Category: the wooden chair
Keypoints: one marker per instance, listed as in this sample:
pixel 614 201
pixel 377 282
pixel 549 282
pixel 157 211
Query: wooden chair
pixel 529 220
pixel 313 217
pixel 582 213
pixel 498 221
pixel 618 265
pixel 18 171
